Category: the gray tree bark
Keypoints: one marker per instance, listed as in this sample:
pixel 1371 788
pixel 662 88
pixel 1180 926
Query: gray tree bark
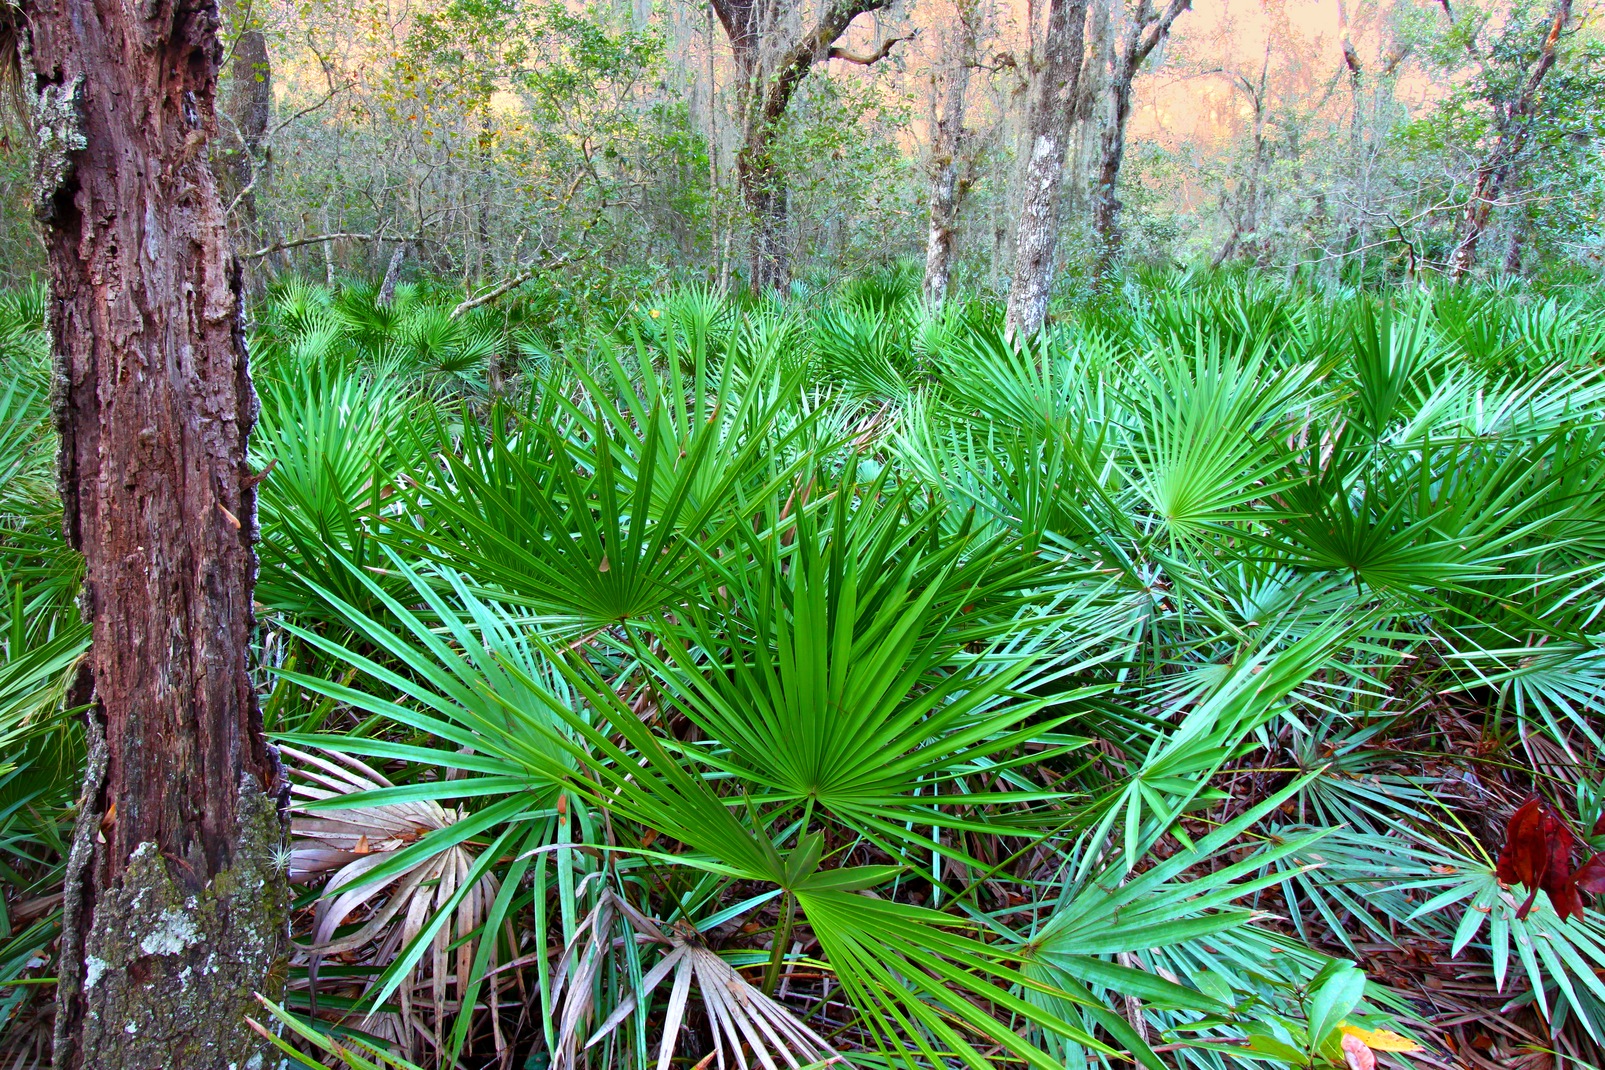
pixel 1053 92
pixel 1513 122
pixel 772 66
pixel 1147 30
pixel 947 182
pixel 175 906
pixel 392 276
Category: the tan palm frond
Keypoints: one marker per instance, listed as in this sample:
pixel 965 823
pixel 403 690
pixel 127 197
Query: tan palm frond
pixel 741 1018
pixel 389 913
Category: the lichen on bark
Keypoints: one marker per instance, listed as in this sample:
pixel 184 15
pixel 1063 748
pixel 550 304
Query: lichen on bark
pixel 58 136
pixel 169 974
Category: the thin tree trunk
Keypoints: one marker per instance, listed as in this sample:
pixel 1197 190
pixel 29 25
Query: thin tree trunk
pixel 1148 28
pixel 251 109
pixel 763 189
pixel 327 245
pixel 1246 217
pixel 946 151
pixel 1474 218
pixel 1512 262
pixel 387 287
pixel 1351 60
pixel 245 165
pixel 944 212
pixel 1053 92
pixel 175 905
pixel 1088 116
pixel 1514 125
pixel 713 154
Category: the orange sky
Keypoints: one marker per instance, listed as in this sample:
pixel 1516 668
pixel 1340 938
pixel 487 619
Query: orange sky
pixel 1191 98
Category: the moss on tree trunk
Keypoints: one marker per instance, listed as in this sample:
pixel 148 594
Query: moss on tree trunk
pixel 169 974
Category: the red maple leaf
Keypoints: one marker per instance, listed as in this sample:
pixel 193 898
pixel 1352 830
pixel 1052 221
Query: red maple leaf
pixel 1538 855
pixel 1590 876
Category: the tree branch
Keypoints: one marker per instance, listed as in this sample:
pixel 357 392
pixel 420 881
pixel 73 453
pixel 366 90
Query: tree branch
pixel 1546 58
pixel 296 243
pixel 1158 31
pixel 865 59
pixel 739 25
pixel 492 294
pixel 815 46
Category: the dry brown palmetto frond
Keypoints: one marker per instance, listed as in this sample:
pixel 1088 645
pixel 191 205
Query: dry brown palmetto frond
pixel 395 909
pixel 740 1017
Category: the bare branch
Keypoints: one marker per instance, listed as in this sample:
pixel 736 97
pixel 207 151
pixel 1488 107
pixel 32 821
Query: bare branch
pixel 492 294
pixel 308 110
pixel 295 243
pixel 1160 29
pixel 865 59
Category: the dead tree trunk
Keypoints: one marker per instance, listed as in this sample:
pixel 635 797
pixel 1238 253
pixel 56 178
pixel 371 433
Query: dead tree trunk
pixel 1351 62
pixel 175 904
pixel 947 151
pixel 392 276
pixel 1147 30
pixel 1053 93
pixel 771 70
pixel 1513 121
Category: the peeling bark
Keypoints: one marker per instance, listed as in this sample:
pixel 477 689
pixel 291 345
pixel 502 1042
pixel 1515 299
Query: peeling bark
pixel 175 907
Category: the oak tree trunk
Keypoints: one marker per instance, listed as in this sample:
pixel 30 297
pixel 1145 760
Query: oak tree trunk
pixel 946 159
pixel 175 905
pixel 763 189
pixel 772 64
pixel 1513 121
pixel 1053 92
pixel 1147 30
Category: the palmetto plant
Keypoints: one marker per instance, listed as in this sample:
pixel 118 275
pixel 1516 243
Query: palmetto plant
pixel 826 680
pixel 933 666
pixel 332 444
pixel 41 643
